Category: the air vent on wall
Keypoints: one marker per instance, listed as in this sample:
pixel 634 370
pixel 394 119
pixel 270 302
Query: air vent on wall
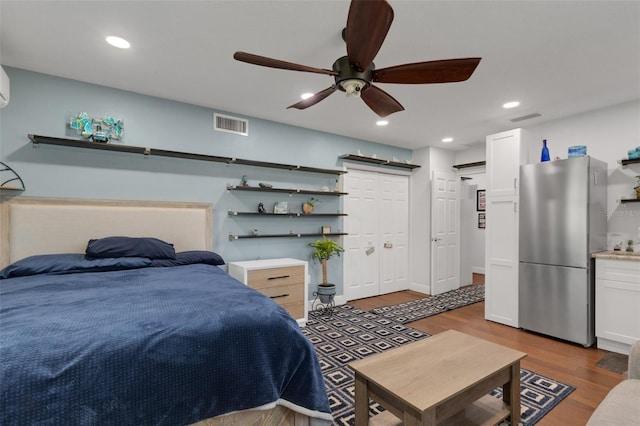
pixel 226 123
pixel 525 117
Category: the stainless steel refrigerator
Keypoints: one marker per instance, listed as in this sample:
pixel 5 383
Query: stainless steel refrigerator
pixel 562 221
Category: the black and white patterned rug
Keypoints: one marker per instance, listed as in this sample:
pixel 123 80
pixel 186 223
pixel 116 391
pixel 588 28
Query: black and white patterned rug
pixel 352 334
pixel 432 305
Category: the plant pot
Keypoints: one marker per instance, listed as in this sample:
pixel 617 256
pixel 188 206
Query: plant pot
pixel 326 292
pixel 637 192
pixel 307 208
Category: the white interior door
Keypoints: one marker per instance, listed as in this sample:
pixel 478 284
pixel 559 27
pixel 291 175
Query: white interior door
pixel 377 223
pixel 361 257
pixel 394 232
pixel 445 234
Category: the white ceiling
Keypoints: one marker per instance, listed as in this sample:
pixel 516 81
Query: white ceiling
pixel 558 58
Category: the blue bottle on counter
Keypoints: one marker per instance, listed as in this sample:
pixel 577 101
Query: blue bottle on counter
pixel 545 151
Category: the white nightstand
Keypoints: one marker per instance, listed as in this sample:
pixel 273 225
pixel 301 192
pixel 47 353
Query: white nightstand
pixel 284 280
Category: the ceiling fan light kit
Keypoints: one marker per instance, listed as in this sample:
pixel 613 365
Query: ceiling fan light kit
pixel 368 23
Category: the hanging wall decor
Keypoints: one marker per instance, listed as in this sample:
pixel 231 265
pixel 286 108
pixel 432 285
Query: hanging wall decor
pixel 482 220
pixel 97 129
pixel 481 201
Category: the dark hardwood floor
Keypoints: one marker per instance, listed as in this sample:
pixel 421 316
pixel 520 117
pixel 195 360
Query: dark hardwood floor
pixel 569 363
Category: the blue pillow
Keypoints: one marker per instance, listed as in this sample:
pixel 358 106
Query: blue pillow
pixel 191 257
pixel 151 248
pixel 69 263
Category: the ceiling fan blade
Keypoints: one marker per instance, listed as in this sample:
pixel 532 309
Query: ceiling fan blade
pixel 250 58
pixel 444 71
pixel 306 103
pixel 380 101
pixel 367 26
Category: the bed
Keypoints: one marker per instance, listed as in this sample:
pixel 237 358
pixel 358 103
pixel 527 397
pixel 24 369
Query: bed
pixel 130 340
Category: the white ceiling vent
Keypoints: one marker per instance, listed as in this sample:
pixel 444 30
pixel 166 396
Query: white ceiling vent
pixel 526 117
pixel 226 123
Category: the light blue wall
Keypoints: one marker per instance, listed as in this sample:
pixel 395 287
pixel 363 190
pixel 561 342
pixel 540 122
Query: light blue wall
pixel 40 104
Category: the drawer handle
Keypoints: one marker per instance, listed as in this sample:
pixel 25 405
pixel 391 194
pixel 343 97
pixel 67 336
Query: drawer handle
pixel 279 296
pixel 279 278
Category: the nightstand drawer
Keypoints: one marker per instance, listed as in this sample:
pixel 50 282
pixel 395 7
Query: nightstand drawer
pixel 275 277
pixel 285 295
pixel 284 280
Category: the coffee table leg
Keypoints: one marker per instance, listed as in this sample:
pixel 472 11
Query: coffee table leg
pixel 361 401
pixel 511 394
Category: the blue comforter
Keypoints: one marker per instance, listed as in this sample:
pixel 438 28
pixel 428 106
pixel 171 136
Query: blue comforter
pixel 157 346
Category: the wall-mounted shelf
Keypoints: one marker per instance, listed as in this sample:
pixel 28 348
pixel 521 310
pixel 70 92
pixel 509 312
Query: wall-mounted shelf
pixel 283 190
pixel 290 214
pixel 233 237
pixel 379 161
pixel 39 139
pixel 630 200
pixel 467 165
pixel 627 162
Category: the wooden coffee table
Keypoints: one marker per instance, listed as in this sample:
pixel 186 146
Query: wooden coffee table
pixel 443 379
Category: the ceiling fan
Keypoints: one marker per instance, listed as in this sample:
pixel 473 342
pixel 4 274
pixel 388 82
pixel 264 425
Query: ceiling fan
pixel 368 23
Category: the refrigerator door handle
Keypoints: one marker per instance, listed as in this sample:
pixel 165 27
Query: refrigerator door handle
pixel 595 178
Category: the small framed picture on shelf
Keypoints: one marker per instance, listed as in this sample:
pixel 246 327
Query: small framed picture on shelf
pixel 280 207
pixel 482 220
pixel 326 229
pixel 481 200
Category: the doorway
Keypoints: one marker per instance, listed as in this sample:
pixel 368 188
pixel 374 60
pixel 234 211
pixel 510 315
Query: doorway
pixel 377 223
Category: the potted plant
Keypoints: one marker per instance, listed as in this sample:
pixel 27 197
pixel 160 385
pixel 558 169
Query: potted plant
pixel 307 206
pixel 630 245
pixel 325 249
pixel 637 187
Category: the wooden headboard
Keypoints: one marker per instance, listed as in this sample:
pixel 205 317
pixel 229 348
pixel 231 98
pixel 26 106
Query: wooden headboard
pixel 30 226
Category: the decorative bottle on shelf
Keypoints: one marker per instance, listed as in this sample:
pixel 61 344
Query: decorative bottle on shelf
pixel 545 151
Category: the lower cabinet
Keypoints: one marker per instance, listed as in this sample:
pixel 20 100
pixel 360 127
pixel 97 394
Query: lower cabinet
pixel 283 280
pixel 617 304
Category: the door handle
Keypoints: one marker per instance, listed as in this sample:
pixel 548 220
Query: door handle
pixel 436 239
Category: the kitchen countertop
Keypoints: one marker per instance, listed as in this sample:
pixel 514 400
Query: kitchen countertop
pixel 617 255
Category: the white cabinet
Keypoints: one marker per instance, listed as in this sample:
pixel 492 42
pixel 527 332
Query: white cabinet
pixel 283 280
pixel 506 152
pixel 617 304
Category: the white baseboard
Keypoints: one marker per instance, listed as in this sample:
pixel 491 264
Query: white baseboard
pixel 477 269
pixel 420 288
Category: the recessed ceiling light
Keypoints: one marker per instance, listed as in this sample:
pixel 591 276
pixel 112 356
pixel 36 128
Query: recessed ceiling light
pixel 447 140
pixel 118 42
pixel 512 104
pixel 306 95
pixel 382 122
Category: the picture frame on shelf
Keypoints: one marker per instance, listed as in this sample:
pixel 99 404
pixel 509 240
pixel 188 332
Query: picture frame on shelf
pixel 281 207
pixel 482 220
pixel 326 229
pixel 481 200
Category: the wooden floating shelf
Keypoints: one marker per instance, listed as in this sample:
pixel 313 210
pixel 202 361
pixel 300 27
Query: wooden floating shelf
pixel 233 237
pixel 630 200
pixel 467 165
pixel 378 161
pixel 291 214
pixel 75 143
pixel 627 162
pixel 283 190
